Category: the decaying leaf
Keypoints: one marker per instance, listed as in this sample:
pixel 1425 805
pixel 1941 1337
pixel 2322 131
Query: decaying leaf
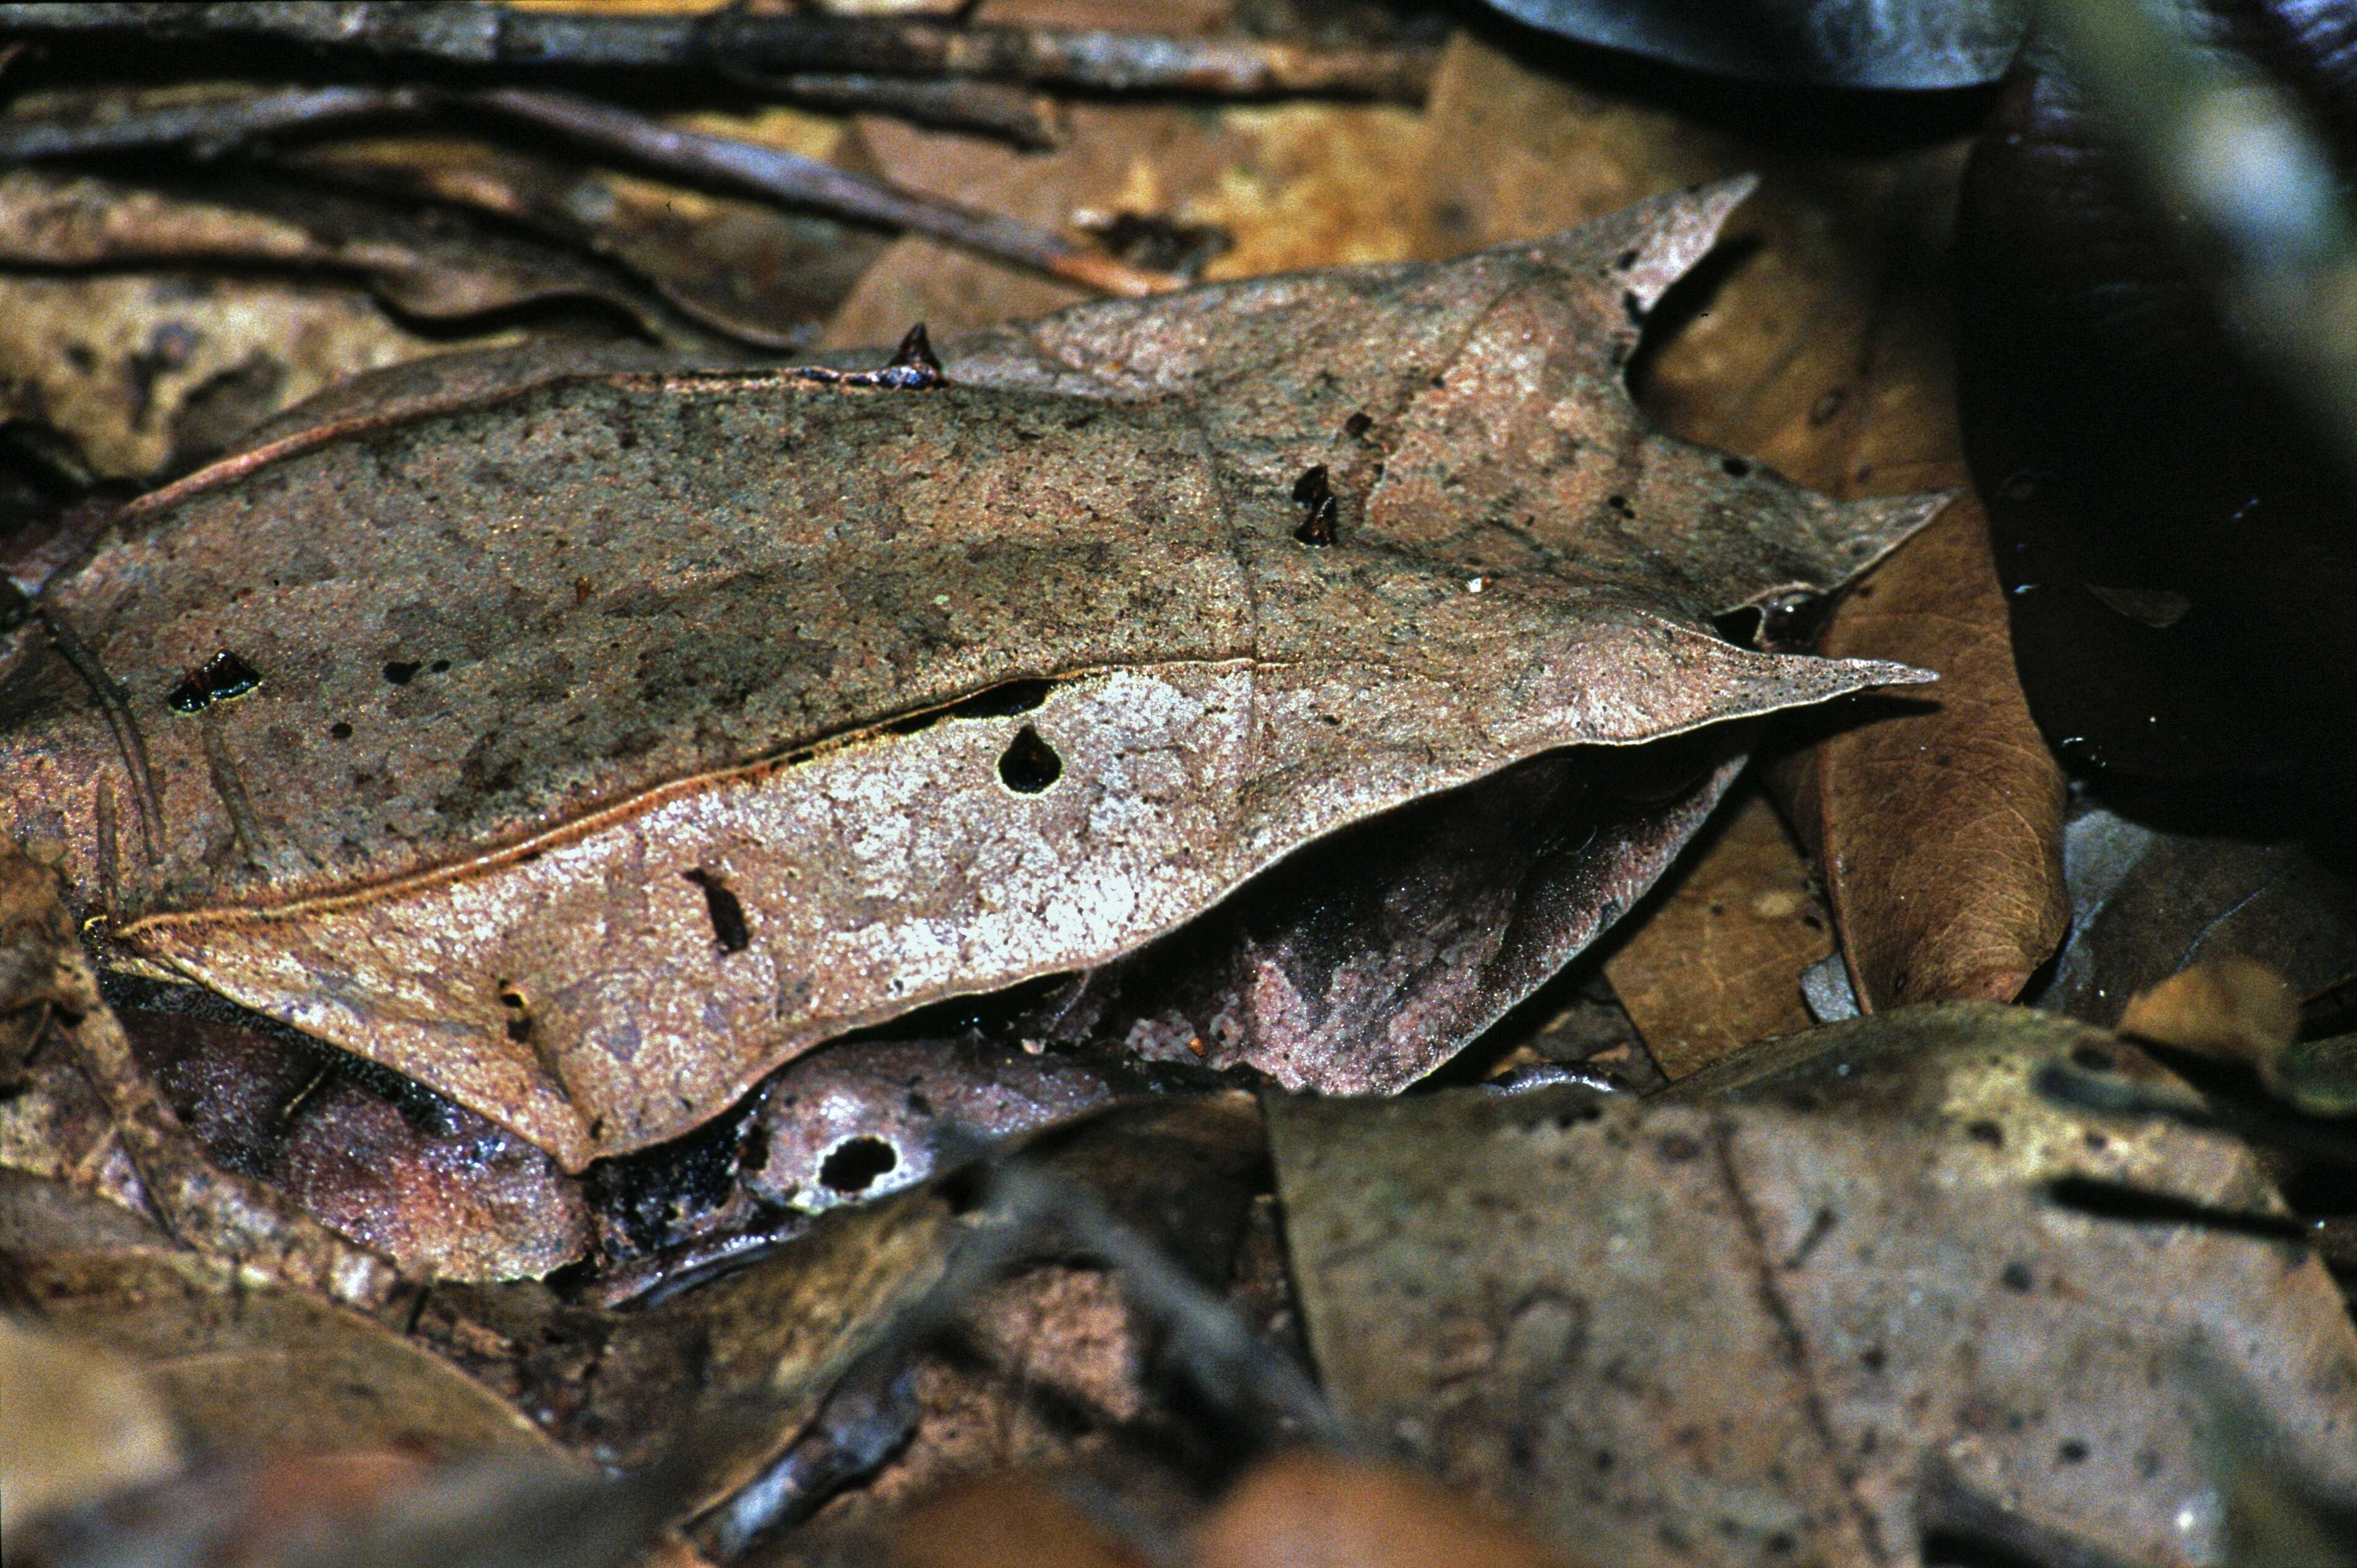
pixel 136 1152
pixel 1940 823
pixel 938 687
pixel 1829 1303
pixel 1847 43
pixel 2148 901
pixel 1717 963
pixel 1316 1510
pixel 251 1367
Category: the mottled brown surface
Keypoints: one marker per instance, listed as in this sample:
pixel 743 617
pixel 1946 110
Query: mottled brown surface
pixel 528 664
pixel 1819 1304
pixel 1941 822
pixel 1368 959
pixel 1715 963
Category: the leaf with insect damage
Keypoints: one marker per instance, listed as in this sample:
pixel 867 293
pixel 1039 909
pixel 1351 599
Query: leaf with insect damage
pixel 618 738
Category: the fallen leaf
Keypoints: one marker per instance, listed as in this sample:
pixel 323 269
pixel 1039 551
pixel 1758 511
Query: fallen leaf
pixel 1715 964
pixel 2148 901
pixel 742 268
pixel 2171 533
pixel 1939 822
pixel 251 1367
pixel 1005 1521
pixel 1314 1511
pixel 457 827
pixel 1825 1303
pixel 1845 43
pixel 2234 1007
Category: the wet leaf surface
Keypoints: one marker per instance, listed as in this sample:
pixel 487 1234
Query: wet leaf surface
pixel 1824 1304
pixel 319 838
pixel 2147 901
pixel 2170 529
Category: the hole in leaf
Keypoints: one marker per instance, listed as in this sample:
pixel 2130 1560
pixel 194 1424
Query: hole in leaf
pixel 726 913
pixel 1029 765
pixel 854 1165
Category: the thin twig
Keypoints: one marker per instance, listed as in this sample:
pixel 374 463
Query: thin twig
pixel 995 109
pixel 788 176
pixel 210 129
pixel 470 33
pixel 2235 153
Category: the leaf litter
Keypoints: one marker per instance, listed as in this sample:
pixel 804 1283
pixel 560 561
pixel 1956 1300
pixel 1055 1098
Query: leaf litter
pixel 892 1345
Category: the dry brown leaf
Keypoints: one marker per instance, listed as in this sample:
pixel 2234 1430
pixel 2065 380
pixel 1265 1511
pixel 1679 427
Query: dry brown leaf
pixel 1715 964
pixel 1005 1521
pixel 1826 1301
pixel 558 838
pixel 1314 1511
pixel 1939 822
pixel 2234 1007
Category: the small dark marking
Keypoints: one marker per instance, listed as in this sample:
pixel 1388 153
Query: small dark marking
pixel 1985 1131
pixel 2016 1277
pixel 1357 427
pixel 1003 701
pixel 439 666
pixel 121 721
pixel 1029 765
pixel 224 676
pixel 1314 494
pixel 243 825
pixel 401 673
pixel 341 730
pixel 1735 467
pixel 1626 259
pixel 519 1024
pixel 853 1165
pixel 728 928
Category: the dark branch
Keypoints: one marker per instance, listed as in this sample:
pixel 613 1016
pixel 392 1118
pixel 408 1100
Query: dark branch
pixel 467 33
pixel 210 128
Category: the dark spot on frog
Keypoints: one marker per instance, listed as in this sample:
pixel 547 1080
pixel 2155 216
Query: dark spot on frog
pixel 519 1024
pixel 2094 1059
pixel 1735 467
pixel 730 931
pixel 402 671
pixel 224 676
pixel 1626 259
pixel 1678 1148
pixel 340 730
pixel 1314 492
pixel 2016 1277
pixel 439 667
pixel 1029 765
pixel 1357 427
